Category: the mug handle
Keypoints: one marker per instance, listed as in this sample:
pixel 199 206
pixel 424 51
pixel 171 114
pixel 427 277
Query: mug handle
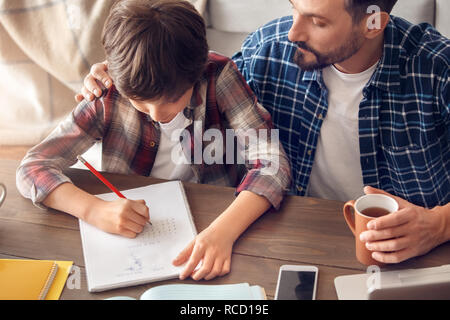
pixel 349 217
pixel 2 193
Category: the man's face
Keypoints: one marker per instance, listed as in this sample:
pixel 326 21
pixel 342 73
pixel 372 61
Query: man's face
pixel 161 110
pixel 324 33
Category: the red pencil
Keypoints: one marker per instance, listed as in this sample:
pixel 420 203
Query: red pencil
pixel 102 178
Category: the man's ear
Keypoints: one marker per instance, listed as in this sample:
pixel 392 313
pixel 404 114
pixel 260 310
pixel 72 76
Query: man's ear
pixel 375 23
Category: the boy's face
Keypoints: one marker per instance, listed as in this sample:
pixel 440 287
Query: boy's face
pixel 161 110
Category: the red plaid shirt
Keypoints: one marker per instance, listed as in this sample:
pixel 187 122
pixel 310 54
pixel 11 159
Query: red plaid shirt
pixel 221 100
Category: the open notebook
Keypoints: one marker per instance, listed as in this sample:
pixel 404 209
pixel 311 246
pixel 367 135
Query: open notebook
pixel 113 261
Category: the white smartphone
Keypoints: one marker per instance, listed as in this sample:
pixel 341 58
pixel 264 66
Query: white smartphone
pixel 297 283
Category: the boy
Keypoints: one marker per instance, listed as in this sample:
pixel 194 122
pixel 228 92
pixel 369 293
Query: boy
pixel 165 82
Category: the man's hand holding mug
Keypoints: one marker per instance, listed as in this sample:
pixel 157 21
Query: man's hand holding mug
pixel 406 232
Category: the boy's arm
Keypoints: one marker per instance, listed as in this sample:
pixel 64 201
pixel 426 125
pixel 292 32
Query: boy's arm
pixel 264 185
pixel 268 170
pixel 123 217
pixel 40 175
pixel 41 171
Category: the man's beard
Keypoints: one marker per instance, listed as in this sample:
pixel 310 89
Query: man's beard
pixel 347 50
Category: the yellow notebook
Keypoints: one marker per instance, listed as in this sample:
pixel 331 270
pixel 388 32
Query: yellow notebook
pixel 26 279
pixel 64 268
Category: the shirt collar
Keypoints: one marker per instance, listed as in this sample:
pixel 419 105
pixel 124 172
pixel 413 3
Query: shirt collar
pixel 387 75
pixel 196 100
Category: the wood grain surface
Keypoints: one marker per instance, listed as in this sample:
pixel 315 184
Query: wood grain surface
pixel 304 231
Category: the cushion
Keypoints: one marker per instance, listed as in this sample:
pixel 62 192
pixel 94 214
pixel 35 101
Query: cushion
pixel 226 43
pixel 245 16
pixel 416 11
pixel 442 20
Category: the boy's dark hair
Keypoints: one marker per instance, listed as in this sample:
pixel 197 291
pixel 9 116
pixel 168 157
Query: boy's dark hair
pixel 156 49
pixel 358 8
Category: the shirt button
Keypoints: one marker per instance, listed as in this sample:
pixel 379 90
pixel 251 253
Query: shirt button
pixel 309 152
pixel 152 144
pixel 320 116
pixel 299 188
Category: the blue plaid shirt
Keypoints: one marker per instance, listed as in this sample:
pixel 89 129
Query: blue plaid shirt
pixel 404 117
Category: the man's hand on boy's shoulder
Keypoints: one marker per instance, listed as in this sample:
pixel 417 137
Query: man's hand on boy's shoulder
pixel 91 88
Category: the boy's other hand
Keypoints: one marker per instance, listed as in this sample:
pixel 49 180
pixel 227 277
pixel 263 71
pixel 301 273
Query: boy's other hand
pixel 123 217
pixel 213 248
pixel 92 89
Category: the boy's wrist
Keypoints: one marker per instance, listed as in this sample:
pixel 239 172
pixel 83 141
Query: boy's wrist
pixel 224 230
pixel 91 207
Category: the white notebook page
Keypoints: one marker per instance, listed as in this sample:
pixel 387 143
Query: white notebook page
pixel 114 261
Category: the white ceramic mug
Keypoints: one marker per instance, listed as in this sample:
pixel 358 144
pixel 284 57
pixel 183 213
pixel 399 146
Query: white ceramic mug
pixel 2 193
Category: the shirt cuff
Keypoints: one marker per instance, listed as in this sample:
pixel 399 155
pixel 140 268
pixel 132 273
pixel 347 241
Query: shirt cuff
pixel 270 187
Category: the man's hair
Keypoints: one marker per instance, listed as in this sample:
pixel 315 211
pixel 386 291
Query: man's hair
pixel 358 8
pixel 156 49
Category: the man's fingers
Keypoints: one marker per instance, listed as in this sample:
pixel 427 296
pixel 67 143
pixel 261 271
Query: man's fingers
pixel 99 72
pixel 79 97
pixel 390 245
pixel 394 257
pixel 92 86
pixel 384 234
pixel 86 94
pixel 391 220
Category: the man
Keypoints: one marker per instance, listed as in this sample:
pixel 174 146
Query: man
pixel 361 99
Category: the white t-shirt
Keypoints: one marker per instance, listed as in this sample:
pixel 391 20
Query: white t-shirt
pixel 170 162
pixel 336 172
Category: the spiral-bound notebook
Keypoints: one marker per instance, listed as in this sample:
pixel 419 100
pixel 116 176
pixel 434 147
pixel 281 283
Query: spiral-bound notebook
pixel 113 261
pixel 26 279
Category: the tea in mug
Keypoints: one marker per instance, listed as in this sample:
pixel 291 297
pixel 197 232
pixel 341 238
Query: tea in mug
pixel 375 212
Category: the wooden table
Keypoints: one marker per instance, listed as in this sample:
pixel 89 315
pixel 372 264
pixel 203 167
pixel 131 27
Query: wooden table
pixel 304 231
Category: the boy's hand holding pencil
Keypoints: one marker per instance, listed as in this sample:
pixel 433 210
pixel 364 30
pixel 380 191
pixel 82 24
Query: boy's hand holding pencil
pixel 123 216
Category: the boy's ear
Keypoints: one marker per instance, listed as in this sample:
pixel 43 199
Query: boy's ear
pixel 375 24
